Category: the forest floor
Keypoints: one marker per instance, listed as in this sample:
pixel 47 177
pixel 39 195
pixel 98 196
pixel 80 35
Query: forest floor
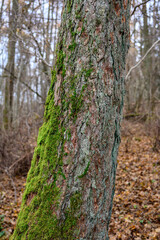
pixel 136 212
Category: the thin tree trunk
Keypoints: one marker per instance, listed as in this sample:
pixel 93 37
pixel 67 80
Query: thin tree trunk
pixel 147 61
pixel 70 186
pixel 153 60
pixel 8 111
pixel 6 105
pixel 18 87
pixel 51 28
pixel 1 13
pixel 56 27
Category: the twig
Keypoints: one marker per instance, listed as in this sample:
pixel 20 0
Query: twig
pixel 141 59
pixel 38 47
pixel 39 50
pixel 25 84
pixel 138 5
pixel 31 89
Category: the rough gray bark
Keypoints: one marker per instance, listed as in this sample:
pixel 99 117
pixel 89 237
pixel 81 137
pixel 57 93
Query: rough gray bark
pixel 71 183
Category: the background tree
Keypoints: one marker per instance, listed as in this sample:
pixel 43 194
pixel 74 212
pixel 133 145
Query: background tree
pixel 9 69
pixel 142 88
pixel 32 34
pixel 70 186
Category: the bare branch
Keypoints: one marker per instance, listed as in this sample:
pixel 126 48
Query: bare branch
pixel 154 44
pixel 31 89
pixel 25 84
pixel 44 61
pixel 138 5
pixel 38 48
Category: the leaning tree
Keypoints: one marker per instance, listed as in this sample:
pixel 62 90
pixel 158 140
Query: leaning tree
pixel 70 186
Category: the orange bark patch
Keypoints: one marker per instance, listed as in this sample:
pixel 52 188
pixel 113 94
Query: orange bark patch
pixel 108 74
pixel 95 204
pixel 117 8
pixel 86 41
pixel 98 29
pixel 94 229
pixel 125 4
pixel 30 197
pixel 107 182
pixel 74 139
pixel 96 167
pixel 123 19
pixel 108 69
pixel 112 37
pixel 93 111
pixel 84 34
pixel 95 200
pixel 66 150
pixel 80 26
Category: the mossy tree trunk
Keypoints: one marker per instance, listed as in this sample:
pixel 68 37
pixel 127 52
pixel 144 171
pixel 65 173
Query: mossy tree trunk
pixel 70 186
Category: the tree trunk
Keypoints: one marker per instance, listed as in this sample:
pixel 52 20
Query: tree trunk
pixel 18 88
pixel 8 109
pixel 70 185
pixel 147 61
pixel 1 13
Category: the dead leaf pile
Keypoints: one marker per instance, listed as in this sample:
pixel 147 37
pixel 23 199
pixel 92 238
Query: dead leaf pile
pixel 136 208
pixel 8 208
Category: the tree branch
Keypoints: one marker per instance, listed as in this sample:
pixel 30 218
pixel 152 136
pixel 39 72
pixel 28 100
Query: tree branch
pixel 38 48
pixel 138 5
pixel 154 44
pixel 32 90
pixel 25 84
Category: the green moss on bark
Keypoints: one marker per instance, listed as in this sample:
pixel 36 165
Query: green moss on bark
pixel 41 192
pixel 42 195
pixel 41 199
pixel 85 171
pixel 72 46
pixel 60 62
